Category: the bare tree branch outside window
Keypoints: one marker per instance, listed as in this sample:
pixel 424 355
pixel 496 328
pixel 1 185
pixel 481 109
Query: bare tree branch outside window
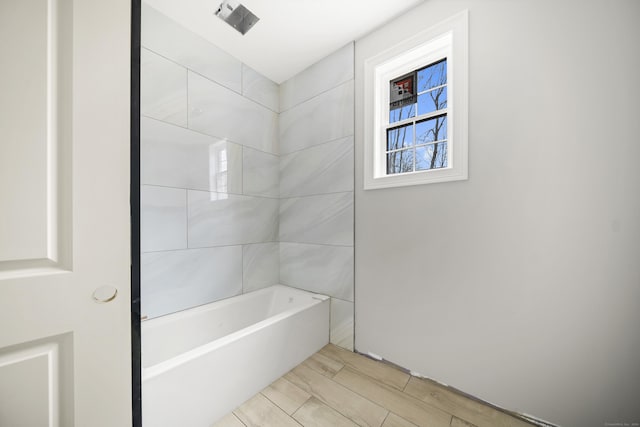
pixel 419 144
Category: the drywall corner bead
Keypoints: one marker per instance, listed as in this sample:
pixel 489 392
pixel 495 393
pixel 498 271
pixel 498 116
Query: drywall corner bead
pixel 374 356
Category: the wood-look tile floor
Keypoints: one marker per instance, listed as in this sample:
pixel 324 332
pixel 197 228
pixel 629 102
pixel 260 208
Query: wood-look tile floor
pixel 338 388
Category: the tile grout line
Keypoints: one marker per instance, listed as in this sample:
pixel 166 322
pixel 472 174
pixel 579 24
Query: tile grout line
pixel 303 403
pixel 242 172
pixel 255 196
pixel 335 86
pixel 321 370
pixel 315 195
pixel 331 324
pixel 354 367
pixel 237 418
pixel 408 397
pixel 242 269
pixel 188 108
pixel 344 387
pixel 352 391
pixel 206 247
pixel 364 397
pixel 257 104
pixel 187 213
pixel 406 384
pixel 315 244
pixel 351 135
pixel 218 138
pixel 280 407
pixel 468 399
pixel 385 418
pixel 381 384
pixel 214 81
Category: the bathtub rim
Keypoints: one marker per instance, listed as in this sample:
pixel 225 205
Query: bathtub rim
pixel 195 310
pixel 153 371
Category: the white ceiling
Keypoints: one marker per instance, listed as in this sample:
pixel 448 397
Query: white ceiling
pixel 291 34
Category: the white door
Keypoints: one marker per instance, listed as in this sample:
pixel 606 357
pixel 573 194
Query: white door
pixel 64 213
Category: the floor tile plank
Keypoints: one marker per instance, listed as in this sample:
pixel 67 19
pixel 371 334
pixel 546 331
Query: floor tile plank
pixel 261 412
pixel 314 413
pixel 380 371
pixel 457 422
pixel 395 421
pixel 360 410
pixel 460 406
pixel 324 365
pixel 338 388
pixel 229 421
pixel 286 395
pixel 409 408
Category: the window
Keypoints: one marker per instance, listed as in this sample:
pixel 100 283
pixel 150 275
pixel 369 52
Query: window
pixel 416 109
pixel 417 129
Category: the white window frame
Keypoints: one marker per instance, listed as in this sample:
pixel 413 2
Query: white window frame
pixel 448 39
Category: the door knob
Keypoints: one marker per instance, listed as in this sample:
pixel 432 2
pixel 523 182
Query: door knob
pixel 105 294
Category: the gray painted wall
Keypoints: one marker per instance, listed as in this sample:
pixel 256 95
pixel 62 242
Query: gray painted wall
pixel 521 285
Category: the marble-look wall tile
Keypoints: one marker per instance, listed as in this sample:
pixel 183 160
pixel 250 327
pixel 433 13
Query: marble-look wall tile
pixel 222 113
pixel 173 156
pixel 325 74
pixel 260 173
pixel 341 328
pixel 323 269
pixel 163 89
pixel 326 117
pixel 325 168
pixel 217 219
pixel 261 266
pixel 170 39
pixel 176 280
pixel 324 219
pixel 259 88
pixel 163 218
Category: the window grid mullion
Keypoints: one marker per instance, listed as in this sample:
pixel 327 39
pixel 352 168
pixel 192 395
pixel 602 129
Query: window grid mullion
pixel 420 118
pixel 431 89
pixel 431 143
pixel 414 147
pixel 440 141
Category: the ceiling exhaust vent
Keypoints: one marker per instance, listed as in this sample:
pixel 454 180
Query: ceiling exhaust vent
pixel 236 15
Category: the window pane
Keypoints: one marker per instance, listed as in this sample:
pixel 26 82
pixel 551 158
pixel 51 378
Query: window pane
pixel 431 130
pixel 400 137
pixel 432 156
pixel 432 101
pixel 402 97
pixel 402 113
pixel 400 161
pixel 432 76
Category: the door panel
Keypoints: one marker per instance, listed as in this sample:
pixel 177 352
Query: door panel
pixel 35 47
pixel 36 383
pixel 64 212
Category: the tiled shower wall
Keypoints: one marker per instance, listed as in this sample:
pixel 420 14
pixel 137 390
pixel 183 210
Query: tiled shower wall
pixel 226 178
pixel 209 141
pixel 316 185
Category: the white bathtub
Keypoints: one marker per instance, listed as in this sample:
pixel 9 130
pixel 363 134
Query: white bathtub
pixel 199 364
